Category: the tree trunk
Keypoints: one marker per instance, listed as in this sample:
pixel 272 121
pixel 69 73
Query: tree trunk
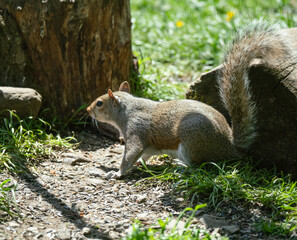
pixel 70 52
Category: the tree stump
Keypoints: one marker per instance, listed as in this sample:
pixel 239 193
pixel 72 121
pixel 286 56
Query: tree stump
pixel 275 95
pixel 70 52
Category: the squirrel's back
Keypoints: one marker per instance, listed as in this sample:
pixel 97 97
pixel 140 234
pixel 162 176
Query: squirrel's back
pixel 258 42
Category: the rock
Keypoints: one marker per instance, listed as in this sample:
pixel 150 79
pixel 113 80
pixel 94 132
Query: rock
pixel 77 207
pixel 112 175
pixel 231 228
pixel 13 224
pixel 64 234
pixel 50 233
pixel 179 199
pixel 274 91
pixel 118 150
pixel 46 178
pixel 213 221
pixel 25 101
pixel 215 233
pixel 142 216
pixel 95 172
pixel 141 199
pixel 74 158
pixel 95 181
pixel 86 230
pixel 113 235
pixel 108 219
pixel 124 222
pixel 33 230
pixel 177 224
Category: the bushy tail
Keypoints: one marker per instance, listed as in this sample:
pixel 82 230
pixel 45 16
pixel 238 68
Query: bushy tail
pixel 259 42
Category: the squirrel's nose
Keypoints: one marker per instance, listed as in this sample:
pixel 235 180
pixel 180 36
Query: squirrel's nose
pixel 89 109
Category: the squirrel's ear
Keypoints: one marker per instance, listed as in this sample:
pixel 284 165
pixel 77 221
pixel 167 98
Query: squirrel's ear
pixel 125 87
pixel 110 94
pixel 115 101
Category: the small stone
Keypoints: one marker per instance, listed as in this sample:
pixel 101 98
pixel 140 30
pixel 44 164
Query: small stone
pixel 112 175
pixel 215 232
pixel 108 155
pixel 68 161
pixel 69 154
pixel 180 225
pixel 46 178
pixel 179 199
pixel 74 158
pixel 141 199
pixel 113 235
pixel 77 207
pixel 95 181
pixel 116 210
pixel 33 230
pixel 142 216
pixel 96 172
pixel 64 234
pixel 123 222
pixel 13 224
pixel 213 221
pixel 119 150
pixel 231 228
pixel 108 219
pixel 38 236
pixel 86 230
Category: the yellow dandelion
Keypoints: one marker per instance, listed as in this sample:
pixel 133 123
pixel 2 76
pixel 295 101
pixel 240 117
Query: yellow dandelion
pixel 230 16
pixel 179 24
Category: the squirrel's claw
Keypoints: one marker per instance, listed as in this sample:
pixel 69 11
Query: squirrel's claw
pixel 112 175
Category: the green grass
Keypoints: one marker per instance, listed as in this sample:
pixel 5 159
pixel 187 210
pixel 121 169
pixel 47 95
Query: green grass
pixel 7 198
pixel 240 184
pixel 175 41
pixel 23 142
pixel 162 229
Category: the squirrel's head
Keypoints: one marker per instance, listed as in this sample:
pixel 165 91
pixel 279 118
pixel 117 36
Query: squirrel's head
pixel 104 107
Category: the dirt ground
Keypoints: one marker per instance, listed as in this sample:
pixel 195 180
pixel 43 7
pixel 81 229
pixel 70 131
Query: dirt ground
pixel 67 197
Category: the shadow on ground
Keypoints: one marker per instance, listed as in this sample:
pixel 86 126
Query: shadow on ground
pixel 71 215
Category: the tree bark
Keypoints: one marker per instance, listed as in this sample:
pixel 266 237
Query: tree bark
pixel 70 52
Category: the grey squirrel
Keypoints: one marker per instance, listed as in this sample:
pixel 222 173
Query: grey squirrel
pixel 190 130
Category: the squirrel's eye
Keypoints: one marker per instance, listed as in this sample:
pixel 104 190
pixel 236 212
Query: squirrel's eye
pixel 99 103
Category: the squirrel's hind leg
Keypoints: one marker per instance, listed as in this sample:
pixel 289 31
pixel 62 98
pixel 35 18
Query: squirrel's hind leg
pixel 183 155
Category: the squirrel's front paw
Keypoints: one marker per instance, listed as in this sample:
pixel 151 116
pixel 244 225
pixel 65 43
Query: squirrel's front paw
pixel 112 175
